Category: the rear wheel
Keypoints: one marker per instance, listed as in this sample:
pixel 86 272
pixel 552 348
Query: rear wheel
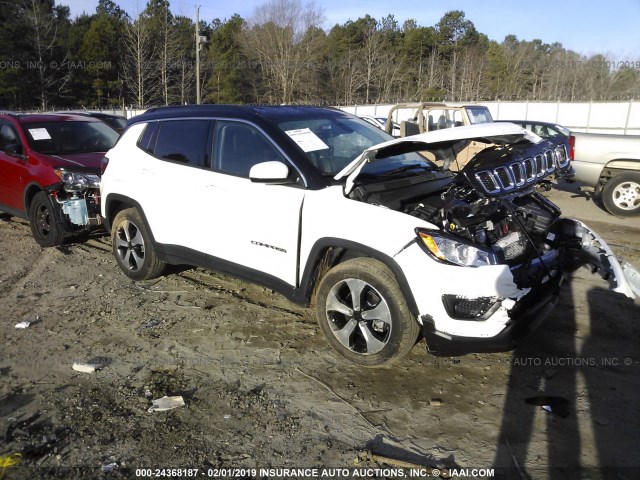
pixel 45 227
pixel 363 314
pixel 132 247
pixel 621 195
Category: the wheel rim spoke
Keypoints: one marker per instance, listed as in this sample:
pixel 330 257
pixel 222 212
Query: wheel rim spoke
pixel 137 259
pixel 120 242
pixel 137 239
pixel 356 287
pixel 373 344
pixel 344 334
pixel 334 304
pixel 379 312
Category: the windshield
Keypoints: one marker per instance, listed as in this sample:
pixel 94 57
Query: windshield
pixel 59 138
pixel 331 143
pixel 479 115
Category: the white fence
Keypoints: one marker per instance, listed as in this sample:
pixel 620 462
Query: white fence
pixel 592 117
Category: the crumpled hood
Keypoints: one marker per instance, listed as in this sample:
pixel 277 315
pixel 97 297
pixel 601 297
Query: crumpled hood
pixel 82 161
pixel 451 138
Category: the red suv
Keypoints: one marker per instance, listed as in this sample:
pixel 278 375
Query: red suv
pixel 50 166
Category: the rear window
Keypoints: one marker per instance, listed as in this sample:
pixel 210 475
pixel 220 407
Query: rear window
pixel 479 115
pixel 58 138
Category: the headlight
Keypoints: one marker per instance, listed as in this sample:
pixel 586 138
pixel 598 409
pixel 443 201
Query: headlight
pixel 452 250
pixel 76 181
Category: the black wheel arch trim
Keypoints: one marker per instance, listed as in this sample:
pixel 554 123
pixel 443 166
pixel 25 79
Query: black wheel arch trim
pixel 131 203
pixel 316 253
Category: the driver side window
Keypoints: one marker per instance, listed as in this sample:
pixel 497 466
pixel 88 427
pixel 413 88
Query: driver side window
pixel 239 146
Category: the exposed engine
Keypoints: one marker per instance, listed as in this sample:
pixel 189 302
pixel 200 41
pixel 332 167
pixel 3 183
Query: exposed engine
pixel 492 202
pixel 510 226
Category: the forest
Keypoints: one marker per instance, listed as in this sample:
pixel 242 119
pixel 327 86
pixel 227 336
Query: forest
pixel 283 53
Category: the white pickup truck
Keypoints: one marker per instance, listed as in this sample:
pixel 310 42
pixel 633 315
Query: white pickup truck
pixel 610 164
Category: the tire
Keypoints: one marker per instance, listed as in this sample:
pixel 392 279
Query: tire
pixel 621 195
pixel 45 226
pixel 133 248
pixel 378 329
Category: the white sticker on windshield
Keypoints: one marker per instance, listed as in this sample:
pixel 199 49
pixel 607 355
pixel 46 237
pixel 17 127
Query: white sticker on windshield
pixel 40 134
pixel 307 140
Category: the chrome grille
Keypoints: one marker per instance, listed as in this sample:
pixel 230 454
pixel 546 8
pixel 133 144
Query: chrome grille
pixel 517 170
pixel 506 178
pixel 529 169
pixel 522 172
pixel 539 163
pixel 488 181
pixel 550 161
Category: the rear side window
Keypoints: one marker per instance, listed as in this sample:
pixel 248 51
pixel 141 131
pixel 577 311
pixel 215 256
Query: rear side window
pixel 183 141
pixel 8 136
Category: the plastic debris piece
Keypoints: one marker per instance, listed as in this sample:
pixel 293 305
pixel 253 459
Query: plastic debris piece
pixel 166 403
pixel 24 324
pixel 110 467
pixel 9 461
pixel 86 367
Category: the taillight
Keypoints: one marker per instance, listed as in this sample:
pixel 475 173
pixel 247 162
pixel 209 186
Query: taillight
pixel 572 146
pixel 103 165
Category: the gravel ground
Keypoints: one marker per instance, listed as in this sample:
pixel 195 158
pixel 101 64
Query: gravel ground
pixel 262 389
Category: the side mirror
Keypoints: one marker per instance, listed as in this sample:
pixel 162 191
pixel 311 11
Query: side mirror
pixel 269 172
pixel 15 150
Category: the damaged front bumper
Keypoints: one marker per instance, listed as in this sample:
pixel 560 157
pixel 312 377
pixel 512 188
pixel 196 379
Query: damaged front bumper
pixel 76 200
pixel 489 310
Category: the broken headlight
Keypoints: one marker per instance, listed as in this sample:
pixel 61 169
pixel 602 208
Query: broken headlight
pixel 453 250
pixel 77 181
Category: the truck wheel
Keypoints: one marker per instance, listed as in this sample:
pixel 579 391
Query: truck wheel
pixel 621 195
pixel 133 248
pixel 45 226
pixel 363 314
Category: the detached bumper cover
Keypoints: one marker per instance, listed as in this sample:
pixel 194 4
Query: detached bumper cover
pixel 529 311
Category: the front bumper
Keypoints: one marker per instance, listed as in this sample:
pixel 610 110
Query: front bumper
pixel 525 294
pixel 526 316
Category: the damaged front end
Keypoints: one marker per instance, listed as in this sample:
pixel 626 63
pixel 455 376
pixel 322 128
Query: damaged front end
pixel 490 218
pixel 77 199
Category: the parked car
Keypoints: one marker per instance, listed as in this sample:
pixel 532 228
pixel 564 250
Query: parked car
pixel 117 122
pixel 549 131
pixel 380 122
pixel 50 171
pixel 430 117
pixel 610 164
pixel 331 211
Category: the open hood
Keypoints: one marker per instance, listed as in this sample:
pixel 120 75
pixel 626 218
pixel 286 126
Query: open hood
pixel 440 141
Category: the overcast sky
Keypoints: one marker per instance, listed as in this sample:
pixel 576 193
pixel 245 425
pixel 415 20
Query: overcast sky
pixel 610 27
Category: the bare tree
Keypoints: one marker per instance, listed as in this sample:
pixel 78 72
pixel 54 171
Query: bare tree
pixel 44 32
pixel 138 66
pixel 276 35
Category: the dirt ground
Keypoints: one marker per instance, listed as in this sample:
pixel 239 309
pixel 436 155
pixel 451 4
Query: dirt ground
pixel 263 389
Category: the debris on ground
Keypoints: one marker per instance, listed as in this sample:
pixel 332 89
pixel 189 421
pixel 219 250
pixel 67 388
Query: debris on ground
pixel 166 403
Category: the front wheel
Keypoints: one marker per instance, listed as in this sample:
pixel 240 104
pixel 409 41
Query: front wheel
pixel 621 195
pixel 132 247
pixel 45 226
pixel 363 314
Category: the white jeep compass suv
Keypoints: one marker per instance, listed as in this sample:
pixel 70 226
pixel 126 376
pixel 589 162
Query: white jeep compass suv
pixel 377 233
